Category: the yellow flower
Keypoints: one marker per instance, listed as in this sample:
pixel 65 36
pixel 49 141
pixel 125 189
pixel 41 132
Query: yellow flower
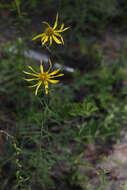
pixel 42 77
pixel 51 33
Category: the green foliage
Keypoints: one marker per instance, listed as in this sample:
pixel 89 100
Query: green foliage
pixel 83 109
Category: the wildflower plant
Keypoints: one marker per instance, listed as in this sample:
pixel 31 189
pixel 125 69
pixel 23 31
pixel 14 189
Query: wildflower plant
pixel 51 33
pixel 43 78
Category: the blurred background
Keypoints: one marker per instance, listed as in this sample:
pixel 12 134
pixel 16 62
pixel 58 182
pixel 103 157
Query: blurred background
pixel 76 137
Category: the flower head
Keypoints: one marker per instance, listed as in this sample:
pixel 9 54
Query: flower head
pixel 42 77
pixel 51 33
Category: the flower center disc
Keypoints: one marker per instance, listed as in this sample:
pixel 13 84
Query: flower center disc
pixel 43 76
pixel 49 31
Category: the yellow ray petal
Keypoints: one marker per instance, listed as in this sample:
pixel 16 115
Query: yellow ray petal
pixel 56 40
pixel 56 22
pixel 56 76
pixel 32 74
pixel 57 34
pixel 62 26
pixel 54 72
pixel 41 68
pixel 39 36
pixel 62 30
pixel 46 23
pixel 32 69
pixel 50 40
pixel 50 66
pixel 53 81
pixel 46 87
pixel 33 85
pixel 45 40
pixel 38 86
pixel 30 79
